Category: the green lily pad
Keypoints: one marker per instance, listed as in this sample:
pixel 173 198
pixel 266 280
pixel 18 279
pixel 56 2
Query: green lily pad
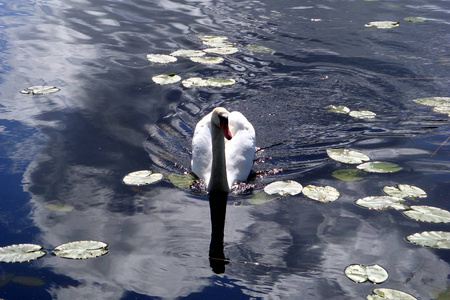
pixel 221 50
pixel 340 109
pixel 166 79
pixel 389 294
pixel 218 82
pixel 208 60
pixel 348 174
pixel 362 114
pixel 142 177
pixel 427 214
pixel 61 207
pixel 188 53
pixel 382 24
pixel 182 181
pixel 81 249
pixel 21 253
pixel 28 281
pixel 433 239
pixel 259 49
pixel 404 191
pixel 216 41
pixel 200 82
pixel 379 167
pixel 362 273
pixel 40 90
pixel 347 156
pixel 415 19
pixel 161 58
pixel 259 198
pixel 283 188
pixel 382 202
pixel 194 82
pixel 442 110
pixel 321 193
pixel 434 101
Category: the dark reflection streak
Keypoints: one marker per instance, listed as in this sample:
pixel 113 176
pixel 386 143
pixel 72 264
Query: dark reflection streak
pixel 218 207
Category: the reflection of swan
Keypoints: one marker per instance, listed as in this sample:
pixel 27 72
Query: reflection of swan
pixel 218 161
pixel 218 207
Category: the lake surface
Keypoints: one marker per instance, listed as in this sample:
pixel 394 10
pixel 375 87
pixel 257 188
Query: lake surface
pixel 74 147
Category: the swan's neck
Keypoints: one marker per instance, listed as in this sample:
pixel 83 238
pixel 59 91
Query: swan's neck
pixel 218 181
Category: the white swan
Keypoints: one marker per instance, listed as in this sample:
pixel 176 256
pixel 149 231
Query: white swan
pixel 223 148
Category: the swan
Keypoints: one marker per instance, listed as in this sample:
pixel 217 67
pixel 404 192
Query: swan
pixel 223 148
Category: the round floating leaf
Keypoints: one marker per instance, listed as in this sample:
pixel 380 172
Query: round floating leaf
pixel 348 174
pixel 221 50
pixel 28 280
pixel 261 198
pixel 362 114
pixel 142 177
pixel 379 167
pixel 20 253
pixel 340 109
pixel 220 81
pixel 404 191
pixel 383 24
pixel 428 214
pixel 434 239
pixel 81 249
pixel 208 60
pixel 362 273
pixel 216 41
pixel 59 207
pixel 40 90
pixel 259 49
pixel 321 193
pixel 188 53
pixel 442 110
pixel 347 156
pixel 213 38
pixel 283 188
pixel 415 19
pixel 382 202
pixel 182 181
pixel 161 58
pixel 194 82
pixel 434 101
pixel 389 294
pixel 166 79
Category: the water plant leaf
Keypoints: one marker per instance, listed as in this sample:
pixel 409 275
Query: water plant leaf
pixel 259 49
pixel 442 110
pixel 182 181
pixel 208 60
pixel 166 78
pixel 379 167
pixel 348 174
pixel 433 239
pixel 213 38
pixel 321 193
pixel 261 198
pixel 382 24
pixel 40 90
pixel 220 81
pixel 389 294
pixel 415 19
pixel 81 249
pixel 340 109
pixel 161 58
pixel 28 280
pixel 404 191
pixel 188 53
pixel 222 50
pixel 434 101
pixel 194 82
pixel 362 273
pixel 362 114
pixel 142 177
pixel 21 253
pixel 61 207
pixel 382 202
pixel 347 156
pixel 216 41
pixel 428 214
pixel 283 188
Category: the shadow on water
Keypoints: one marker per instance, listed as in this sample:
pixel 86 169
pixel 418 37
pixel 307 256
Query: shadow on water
pixel 218 208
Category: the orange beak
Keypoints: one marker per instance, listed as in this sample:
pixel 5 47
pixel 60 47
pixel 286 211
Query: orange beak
pixel 224 127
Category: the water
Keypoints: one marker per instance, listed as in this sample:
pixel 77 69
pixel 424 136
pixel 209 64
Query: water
pixel 109 119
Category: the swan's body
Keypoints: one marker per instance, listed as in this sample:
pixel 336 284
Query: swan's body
pixel 223 148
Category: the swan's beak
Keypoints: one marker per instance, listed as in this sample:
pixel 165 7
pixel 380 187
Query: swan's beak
pixel 224 127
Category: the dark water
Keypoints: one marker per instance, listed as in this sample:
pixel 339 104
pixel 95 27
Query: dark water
pixel 74 146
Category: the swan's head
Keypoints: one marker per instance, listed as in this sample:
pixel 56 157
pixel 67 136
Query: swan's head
pixel 219 118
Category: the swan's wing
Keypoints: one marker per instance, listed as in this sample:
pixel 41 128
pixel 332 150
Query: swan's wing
pixel 240 150
pixel 202 149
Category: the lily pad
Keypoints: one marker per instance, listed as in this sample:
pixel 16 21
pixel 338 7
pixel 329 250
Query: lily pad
pixel 382 24
pixel 433 239
pixel 222 50
pixel 442 110
pixel 182 181
pixel 427 214
pixel 434 101
pixel 340 109
pixel 347 156
pixel 321 193
pixel 362 273
pixel 261 198
pixel 382 202
pixel 21 253
pixel 142 177
pixel 379 167
pixel 188 53
pixel 61 207
pixel 362 114
pixel 208 60
pixel 259 49
pixel 161 58
pixel 415 19
pixel 81 249
pixel 404 191
pixel 28 281
pixel 348 174
pixel 40 90
pixel 194 82
pixel 220 81
pixel 166 79
pixel 216 41
pixel 389 294
pixel 283 188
